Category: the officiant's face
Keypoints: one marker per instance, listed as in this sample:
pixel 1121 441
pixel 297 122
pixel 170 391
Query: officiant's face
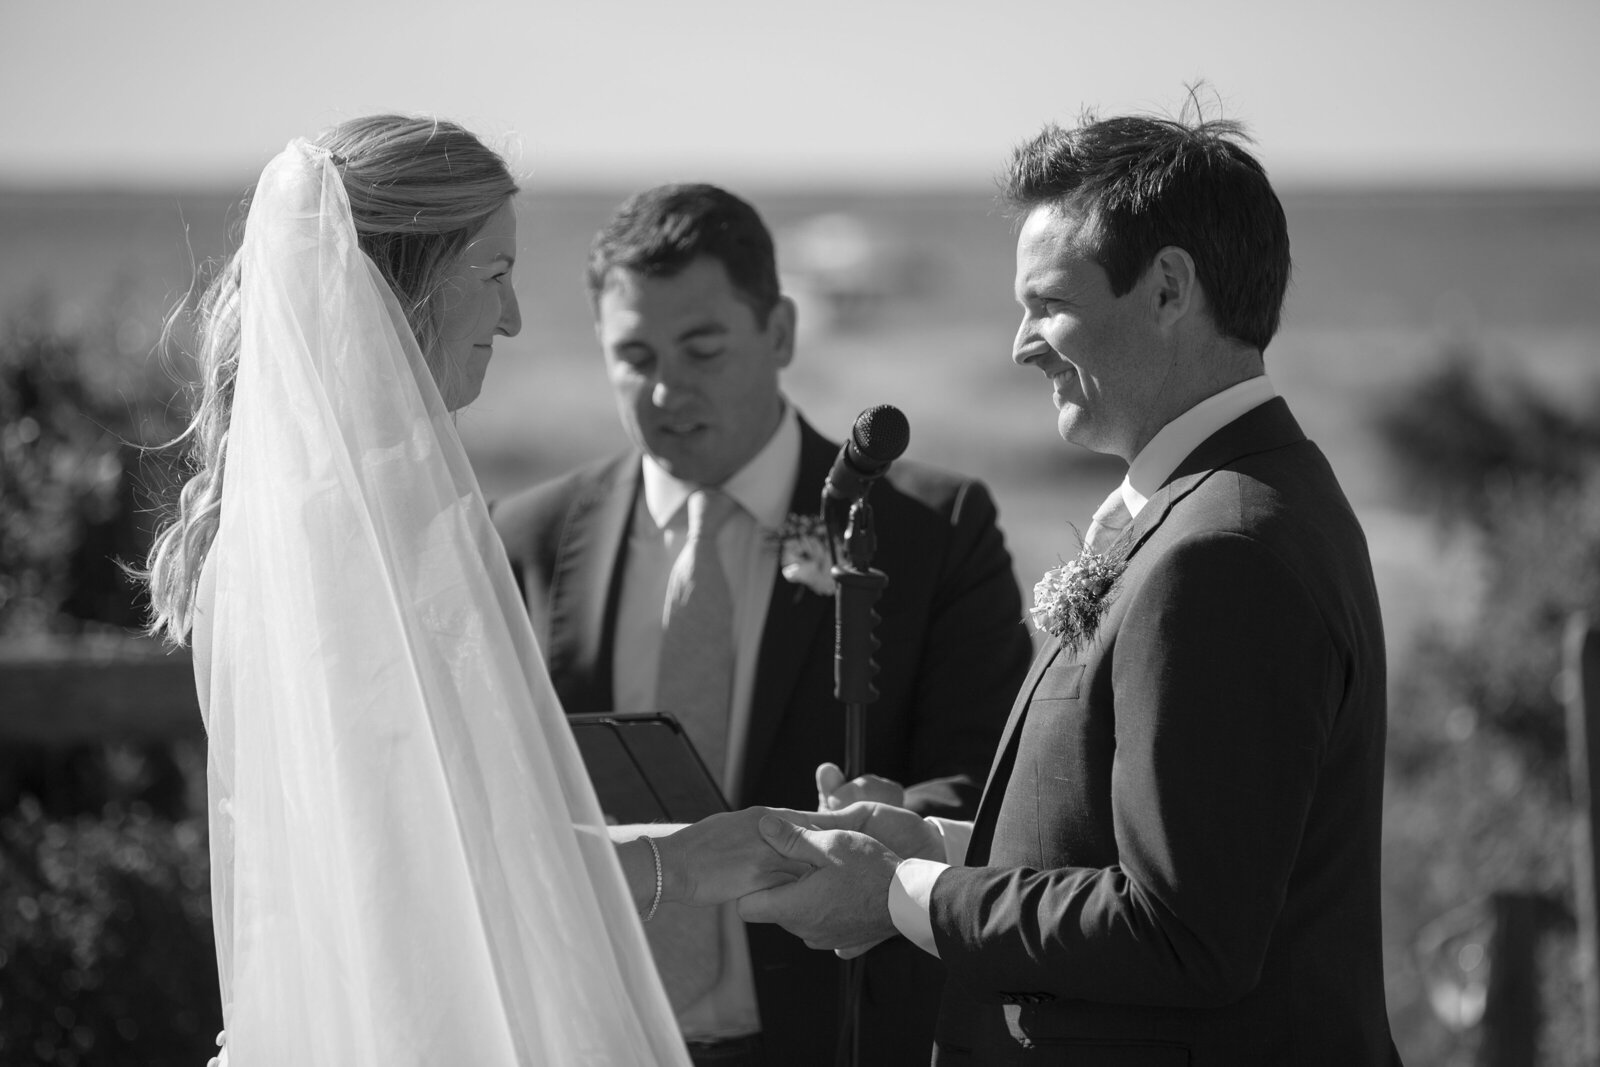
pixel 694 370
pixel 1105 363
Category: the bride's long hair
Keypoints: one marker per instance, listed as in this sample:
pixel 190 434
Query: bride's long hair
pixel 419 190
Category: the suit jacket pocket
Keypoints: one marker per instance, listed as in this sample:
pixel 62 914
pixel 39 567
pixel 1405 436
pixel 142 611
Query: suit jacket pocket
pixel 1061 682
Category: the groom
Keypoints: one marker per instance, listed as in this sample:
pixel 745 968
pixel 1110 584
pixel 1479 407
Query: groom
pixel 1175 860
pixel 694 332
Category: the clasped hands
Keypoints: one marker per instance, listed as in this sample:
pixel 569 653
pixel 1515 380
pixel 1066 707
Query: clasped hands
pixel 822 875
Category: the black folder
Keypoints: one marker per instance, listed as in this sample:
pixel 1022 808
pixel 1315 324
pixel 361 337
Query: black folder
pixel 645 768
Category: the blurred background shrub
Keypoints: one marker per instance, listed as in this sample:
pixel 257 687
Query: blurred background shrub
pixel 106 952
pixel 105 935
pixel 1477 796
pixel 76 416
pixel 1518 474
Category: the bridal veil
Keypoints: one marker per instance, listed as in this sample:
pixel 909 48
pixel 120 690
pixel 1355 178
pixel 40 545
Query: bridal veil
pixel 409 863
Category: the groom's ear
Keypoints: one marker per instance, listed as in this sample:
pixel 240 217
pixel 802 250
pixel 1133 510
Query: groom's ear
pixel 1174 287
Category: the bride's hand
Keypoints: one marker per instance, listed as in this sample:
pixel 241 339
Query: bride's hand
pixel 721 858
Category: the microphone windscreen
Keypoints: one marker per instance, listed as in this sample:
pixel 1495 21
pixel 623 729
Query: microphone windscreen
pixel 882 433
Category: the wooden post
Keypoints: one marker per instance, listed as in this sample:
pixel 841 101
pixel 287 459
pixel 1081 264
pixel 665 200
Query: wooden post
pixel 1511 1013
pixel 1581 669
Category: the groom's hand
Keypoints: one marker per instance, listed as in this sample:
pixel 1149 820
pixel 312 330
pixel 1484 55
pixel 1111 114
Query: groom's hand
pixel 843 902
pixel 721 858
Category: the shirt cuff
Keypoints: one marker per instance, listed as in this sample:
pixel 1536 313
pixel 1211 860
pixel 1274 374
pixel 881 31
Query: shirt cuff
pixel 910 900
pixel 957 835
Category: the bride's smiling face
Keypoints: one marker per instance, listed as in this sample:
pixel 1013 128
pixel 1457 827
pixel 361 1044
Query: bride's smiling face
pixel 477 304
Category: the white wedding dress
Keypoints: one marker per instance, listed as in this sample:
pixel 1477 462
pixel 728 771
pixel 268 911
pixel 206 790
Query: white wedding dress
pixel 409 865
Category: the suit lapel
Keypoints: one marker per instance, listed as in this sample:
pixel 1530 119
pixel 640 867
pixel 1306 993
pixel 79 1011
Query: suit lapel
pixel 794 616
pixel 583 590
pixel 1261 429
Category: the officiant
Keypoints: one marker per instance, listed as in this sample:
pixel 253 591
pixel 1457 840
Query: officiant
pixel 656 581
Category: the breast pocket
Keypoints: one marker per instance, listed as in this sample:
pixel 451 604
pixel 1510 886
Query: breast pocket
pixel 1062 681
pixel 1062 780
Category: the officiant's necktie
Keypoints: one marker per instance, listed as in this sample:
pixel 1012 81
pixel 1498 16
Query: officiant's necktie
pixel 695 683
pixel 1110 519
pixel 695 678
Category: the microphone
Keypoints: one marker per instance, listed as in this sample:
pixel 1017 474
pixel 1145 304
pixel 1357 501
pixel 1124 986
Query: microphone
pixel 877 439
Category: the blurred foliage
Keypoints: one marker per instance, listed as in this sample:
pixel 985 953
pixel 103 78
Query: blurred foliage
pixel 1469 438
pixel 1519 476
pixel 106 953
pixel 105 939
pixel 1471 820
pixel 1477 799
pixel 76 411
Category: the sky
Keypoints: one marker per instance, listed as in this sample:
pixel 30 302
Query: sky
pixel 820 92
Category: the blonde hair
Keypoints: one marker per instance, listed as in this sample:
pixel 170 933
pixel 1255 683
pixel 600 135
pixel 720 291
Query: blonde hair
pixel 419 191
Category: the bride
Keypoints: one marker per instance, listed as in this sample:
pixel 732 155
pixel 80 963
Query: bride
pixel 409 865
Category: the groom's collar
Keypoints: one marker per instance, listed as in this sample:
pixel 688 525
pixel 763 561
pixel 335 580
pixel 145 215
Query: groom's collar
pixel 1263 428
pixel 1157 461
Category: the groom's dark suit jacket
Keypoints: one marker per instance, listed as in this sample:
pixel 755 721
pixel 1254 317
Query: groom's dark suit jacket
pixel 954 650
pixel 1176 857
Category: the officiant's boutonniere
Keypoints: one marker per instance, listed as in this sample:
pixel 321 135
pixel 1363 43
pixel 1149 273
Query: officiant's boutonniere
pixel 803 553
pixel 1070 600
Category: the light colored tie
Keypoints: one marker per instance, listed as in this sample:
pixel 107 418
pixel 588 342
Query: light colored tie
pixel 695 678
pixel 1110 519
pixel 695 683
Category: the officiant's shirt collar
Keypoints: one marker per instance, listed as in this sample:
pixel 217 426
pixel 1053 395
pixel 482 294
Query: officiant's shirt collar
pixel 1169 447
pixel 763 487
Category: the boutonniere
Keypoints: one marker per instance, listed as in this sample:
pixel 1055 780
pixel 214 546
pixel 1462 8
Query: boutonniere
pixel 1070 600
pixel 803 553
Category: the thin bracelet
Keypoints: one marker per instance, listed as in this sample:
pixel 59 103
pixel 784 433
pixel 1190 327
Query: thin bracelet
pixel 655 853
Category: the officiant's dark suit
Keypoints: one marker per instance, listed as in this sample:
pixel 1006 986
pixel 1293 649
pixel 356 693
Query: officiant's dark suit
pixel 953 650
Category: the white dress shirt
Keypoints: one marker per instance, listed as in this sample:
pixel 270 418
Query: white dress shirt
pixel 656 534
pixel 911 889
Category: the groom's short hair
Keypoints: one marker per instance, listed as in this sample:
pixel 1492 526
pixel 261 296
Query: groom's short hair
pixel 1144 184
pixel 662 230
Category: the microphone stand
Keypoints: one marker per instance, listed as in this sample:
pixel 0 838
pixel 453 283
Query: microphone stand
pixel 859 585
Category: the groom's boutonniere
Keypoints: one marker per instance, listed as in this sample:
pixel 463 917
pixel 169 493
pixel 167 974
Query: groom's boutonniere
pixel 803 553
pixel 1070 600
